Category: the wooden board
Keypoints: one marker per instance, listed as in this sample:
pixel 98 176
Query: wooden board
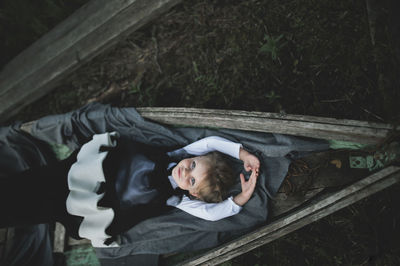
pixel 297 125
pixel 89 31
pixel 295 220
pixel 307 126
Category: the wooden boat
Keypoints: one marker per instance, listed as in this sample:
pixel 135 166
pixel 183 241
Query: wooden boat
pixel 76 40
pixel 288 213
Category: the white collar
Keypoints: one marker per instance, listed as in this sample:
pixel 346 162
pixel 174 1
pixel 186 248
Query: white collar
pixel 170 178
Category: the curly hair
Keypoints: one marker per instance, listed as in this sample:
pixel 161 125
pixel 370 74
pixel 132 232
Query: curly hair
pixel 219 179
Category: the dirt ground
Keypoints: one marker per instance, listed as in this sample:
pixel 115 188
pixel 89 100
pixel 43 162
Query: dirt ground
pixel 323 58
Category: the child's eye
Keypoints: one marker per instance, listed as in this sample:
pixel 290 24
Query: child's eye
pixel 193 165
pixel 192 181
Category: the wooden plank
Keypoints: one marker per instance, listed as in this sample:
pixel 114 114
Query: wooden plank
pixel 315 211
pixel 59 238
pixel 307 126
pixel 89 31
pixel 160 110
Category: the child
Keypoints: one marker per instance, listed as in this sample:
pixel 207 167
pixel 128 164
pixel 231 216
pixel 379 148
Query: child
pixel 113 183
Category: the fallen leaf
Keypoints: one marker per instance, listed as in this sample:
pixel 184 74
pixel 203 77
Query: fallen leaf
pixel 337 163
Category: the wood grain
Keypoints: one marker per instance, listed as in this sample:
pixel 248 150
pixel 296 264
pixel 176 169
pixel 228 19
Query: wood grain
pixel 307 126
pixel 91 30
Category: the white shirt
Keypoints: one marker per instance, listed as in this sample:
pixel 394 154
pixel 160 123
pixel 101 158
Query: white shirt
pixel 201 209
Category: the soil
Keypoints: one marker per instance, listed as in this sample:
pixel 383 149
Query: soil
pixel 323 58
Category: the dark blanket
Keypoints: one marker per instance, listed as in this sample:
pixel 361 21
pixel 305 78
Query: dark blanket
pixel 30 245
pixel 179 231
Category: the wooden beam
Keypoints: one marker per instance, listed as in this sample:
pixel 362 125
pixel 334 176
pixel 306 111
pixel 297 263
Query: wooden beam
pixel 89 31
pixel 311 213
pixel 297 125
pixel 307 126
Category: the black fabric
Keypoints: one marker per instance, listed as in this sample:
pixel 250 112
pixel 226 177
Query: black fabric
pixel 30 246
pixel 36 195
pixel 125 163
pixel 19 151
pixel 130 161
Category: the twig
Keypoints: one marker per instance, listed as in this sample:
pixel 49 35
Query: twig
pixel 333 101
pixel 153 37
pixel 113 89
pixel 376 116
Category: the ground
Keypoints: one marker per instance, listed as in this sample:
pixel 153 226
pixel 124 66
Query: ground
pixel 323 58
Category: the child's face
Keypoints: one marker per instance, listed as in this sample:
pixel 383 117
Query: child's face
pixel 189 173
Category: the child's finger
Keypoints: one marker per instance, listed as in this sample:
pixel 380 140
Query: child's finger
pixel 242 180
pixel 256 170
pixel 255 173
pixel 254 176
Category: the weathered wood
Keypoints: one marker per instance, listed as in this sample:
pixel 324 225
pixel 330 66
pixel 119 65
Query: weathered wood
pixel 74 242
pixel 315 211
pixel 307 126
pixel 59 238
pixel 89 31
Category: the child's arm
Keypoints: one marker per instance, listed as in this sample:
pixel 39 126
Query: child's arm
pixel 214 143
pixel 224 209
pixel 232 205
pixel 250 162
pixel 208 211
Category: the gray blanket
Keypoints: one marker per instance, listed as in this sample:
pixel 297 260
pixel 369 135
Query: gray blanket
pixel 179 231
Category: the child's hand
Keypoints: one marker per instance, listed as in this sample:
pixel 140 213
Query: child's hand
pixel 250 162
pixel 247 189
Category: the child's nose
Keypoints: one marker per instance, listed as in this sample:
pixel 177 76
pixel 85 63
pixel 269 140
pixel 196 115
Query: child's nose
pixel 185 171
